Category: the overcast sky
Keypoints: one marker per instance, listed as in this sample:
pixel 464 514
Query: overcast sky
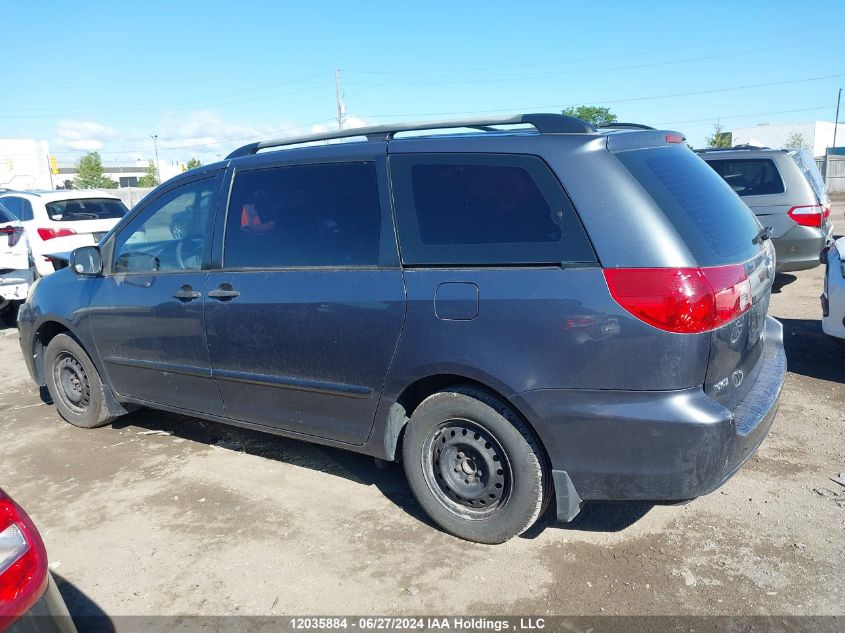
pixel 209 76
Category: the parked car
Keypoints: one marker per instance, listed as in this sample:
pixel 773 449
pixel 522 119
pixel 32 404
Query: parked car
pixel 518 315
pixel 79 218
pixel 15 275
pixel 786 191
pixel 29 599
pixel 833 298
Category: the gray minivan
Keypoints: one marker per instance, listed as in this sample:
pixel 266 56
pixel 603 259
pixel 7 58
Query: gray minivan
pixel 521 310
pixel 784 188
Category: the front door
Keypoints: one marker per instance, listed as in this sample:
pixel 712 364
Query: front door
pixel 305 315
pixel 147 316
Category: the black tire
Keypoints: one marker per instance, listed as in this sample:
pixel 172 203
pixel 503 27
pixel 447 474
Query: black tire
pixel 474 465
pixel 74 384
pixel 10 315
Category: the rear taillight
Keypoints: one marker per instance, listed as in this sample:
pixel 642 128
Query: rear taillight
pixel 809 215
pixel 14 233
pixel 23 562
pixel 683 300
pixel 49 234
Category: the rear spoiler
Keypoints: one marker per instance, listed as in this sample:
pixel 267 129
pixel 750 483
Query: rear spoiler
pixel 640 139
pixel 59 260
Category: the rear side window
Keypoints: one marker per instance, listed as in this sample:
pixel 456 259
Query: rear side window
pixel 716 225
pixel 808 167
pixel 304 216
pixel 85 209
pixel 749 176
pixel 484 209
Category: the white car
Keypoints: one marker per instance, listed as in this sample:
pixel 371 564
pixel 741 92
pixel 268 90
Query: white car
pixel 79 218
pixel 833 299
pixel 15 275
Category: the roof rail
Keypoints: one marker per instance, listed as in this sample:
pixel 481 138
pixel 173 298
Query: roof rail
pixel 544 123
pixel 741 147
pixel 626 126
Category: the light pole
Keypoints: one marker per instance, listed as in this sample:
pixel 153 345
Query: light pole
pixel 155 145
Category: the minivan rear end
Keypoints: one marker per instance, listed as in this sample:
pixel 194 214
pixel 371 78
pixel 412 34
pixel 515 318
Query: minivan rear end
pixel 699 279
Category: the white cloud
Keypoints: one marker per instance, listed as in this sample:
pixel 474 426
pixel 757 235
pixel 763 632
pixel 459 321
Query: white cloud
pixel 83 135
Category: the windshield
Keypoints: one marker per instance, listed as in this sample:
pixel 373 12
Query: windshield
pixel 85 209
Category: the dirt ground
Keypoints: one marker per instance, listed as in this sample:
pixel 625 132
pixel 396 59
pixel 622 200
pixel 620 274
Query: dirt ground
pixel 204 519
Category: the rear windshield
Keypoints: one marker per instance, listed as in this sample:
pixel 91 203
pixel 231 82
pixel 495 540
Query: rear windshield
pixel 749 176
pixel 811 172
pixel 715 224
pixel 5 216
pixel 85 209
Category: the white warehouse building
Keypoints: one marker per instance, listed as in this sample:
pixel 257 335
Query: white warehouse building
pixel 817 135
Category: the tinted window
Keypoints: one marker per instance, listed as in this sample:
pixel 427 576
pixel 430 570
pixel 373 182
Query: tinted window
pixel 5 216
pixel 715 224
pixel 749 176
pixel 85 209
pixel 13 206
pixel 26 210
pixel 485 210
pixel 170 234
pixel 304 215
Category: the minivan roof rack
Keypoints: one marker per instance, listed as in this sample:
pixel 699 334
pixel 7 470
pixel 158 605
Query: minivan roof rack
pixel 544 123
pixel 626 126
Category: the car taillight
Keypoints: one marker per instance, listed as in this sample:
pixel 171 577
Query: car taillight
pixel 23 562
pixel 14 233
pixel 809 214
pixel 683 300
pixel 49 234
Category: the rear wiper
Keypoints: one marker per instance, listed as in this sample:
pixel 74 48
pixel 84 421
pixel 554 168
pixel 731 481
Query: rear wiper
pixel 764 234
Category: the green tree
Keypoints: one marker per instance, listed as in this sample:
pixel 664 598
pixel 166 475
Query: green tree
pixel 89 173
pixel 596 115
pixel 719 138
pixel 193 163
pixel 150 177
pixel 797 140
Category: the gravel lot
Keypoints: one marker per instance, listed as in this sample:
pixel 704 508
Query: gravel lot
pixel 199 518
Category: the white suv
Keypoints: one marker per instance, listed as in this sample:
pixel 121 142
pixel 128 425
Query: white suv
pixel 60 221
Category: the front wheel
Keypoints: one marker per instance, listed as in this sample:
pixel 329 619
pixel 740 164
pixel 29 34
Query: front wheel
pixel 74 384
pixel 475 466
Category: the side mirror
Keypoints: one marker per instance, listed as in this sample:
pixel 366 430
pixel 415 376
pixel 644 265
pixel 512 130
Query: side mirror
pixel 86 260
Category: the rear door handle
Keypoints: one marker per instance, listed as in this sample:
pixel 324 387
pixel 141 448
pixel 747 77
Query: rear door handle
pixel 224 292
pixel 186 293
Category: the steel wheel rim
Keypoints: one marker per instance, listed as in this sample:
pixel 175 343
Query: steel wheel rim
pixel 72 384
pixel 466 469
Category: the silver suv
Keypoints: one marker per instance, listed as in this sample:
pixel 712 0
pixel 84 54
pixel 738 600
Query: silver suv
pixel 784 188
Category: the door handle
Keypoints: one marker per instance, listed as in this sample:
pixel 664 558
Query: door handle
pixel 224 292
pixel 186 293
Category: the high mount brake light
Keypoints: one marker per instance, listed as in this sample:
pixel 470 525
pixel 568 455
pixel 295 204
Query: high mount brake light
pixel 23 562
pixel 809 215
pixel 682 300
pixel 49 234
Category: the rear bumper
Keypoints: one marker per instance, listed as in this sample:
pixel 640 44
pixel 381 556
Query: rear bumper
pixel 654 446
pixel 799 247
pixel 833 298
pixel 48 615
pixel 14 285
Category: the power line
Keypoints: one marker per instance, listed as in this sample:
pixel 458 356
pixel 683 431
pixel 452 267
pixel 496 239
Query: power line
pixel 606 101
pixel 580 71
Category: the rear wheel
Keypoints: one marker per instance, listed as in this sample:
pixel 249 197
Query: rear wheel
pixel 74 384
pixel 474 465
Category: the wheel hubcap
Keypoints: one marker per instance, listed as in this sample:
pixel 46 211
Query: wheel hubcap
pixel 467 469
pixel 72 382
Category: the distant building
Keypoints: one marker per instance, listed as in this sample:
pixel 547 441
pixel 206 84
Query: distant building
pixel 817 135
pixel 25 164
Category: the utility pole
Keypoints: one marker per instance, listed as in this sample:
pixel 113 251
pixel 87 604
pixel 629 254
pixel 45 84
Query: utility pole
pixel 158 167
pixel 341 107
pixel 836 123
pixel 827 149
